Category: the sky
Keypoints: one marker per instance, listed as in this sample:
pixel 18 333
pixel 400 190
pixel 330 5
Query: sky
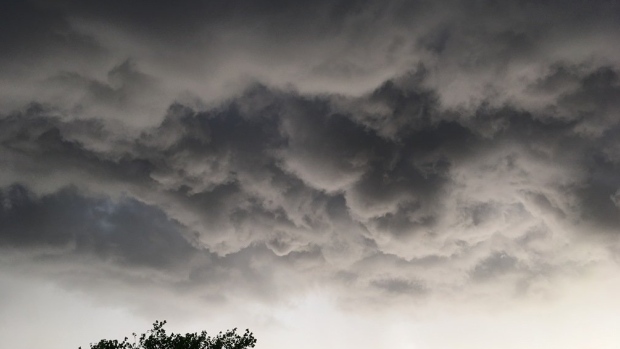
pixel 402 174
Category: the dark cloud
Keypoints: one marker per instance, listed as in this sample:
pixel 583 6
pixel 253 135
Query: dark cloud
pixel 496 264
pixel 399 286
pixel 30 33
pixel 400 148
pixel 126 232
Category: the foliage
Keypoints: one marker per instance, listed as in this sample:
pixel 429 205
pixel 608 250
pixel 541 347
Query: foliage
pixel 158 339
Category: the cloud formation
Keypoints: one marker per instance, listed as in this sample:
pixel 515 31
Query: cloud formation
pixel 386 150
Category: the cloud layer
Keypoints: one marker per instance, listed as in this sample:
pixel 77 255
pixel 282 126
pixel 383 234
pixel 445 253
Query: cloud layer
pixel 386 151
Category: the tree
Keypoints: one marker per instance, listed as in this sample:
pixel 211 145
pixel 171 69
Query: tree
pixel 158 339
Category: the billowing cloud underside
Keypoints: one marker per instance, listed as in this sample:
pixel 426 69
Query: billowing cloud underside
pixel 226 154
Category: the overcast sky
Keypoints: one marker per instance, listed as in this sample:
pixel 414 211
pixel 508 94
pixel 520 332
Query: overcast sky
pixel 346 174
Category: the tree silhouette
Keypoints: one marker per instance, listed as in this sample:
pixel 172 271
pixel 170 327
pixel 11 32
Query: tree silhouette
pixel 158 339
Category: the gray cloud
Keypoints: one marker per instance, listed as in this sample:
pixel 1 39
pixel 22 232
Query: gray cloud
pixel 214 143
pixel 128 232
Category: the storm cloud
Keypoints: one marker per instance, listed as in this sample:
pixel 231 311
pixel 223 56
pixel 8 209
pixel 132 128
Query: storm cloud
pixel 389 151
